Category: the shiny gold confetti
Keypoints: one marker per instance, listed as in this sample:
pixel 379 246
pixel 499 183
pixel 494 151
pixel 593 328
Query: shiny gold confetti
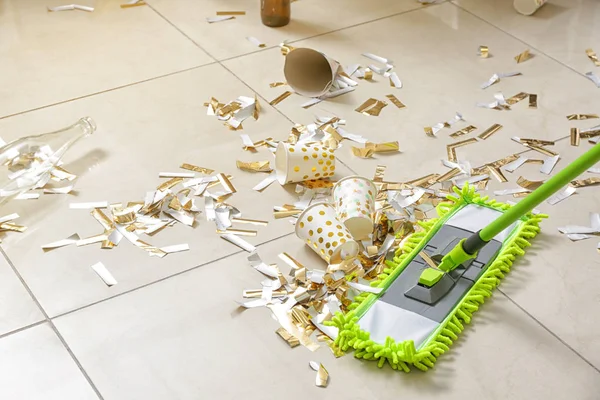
pixel 285 48
pixel 254 166
pixel 371 107
pixel 136 4
pixel 231 12
pixel 463 131
pixel 575 138
pixel 448 175
pixel 280 98
pixel 191 167
pixel 239 232
pixel 490 131
pixel 289 339
pixel 277 84
pixel 383 147
pixel 524 56
pixel 395 101
pixel 578 117
pixel 529 185
pixel 429 131
pixel 362 152
pixel 428 259
pixel 249 221
pixel 497 173
pixel 542 150
pixel 532 100
pixel 379 173
pixel 517 98
pixel 536 142
pixel 585 182
pixel 483 52
pixel 592 56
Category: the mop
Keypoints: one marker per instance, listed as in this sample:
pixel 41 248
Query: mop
pixel 441 275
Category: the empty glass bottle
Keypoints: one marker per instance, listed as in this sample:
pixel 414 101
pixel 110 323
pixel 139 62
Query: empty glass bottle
pixel 26 163
pixel 275 13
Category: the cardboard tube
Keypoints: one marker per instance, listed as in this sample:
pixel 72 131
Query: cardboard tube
pixel 528 7
pixel 309 72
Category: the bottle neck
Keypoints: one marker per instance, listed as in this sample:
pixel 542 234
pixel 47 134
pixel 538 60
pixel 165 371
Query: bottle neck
pixel 61 140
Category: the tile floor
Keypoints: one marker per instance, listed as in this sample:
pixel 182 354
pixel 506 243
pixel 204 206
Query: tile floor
pixel 170 328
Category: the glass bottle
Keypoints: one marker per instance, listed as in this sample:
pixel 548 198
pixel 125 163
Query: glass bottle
pixel 26 163
pixel 275 13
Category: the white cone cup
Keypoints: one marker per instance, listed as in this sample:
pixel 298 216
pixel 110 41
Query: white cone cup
pixel 528 7
pixel 354 199
pixel 309 72
pixel 303 162
pixel 320 229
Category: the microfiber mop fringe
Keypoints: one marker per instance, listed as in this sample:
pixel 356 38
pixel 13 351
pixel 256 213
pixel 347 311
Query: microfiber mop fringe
pixel 402 355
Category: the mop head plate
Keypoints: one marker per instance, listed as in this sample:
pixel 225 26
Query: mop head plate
pixel 407 324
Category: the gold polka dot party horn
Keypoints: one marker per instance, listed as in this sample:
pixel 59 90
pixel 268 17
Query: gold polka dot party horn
pixel 319 227
pixel 354 199
pixel 302 162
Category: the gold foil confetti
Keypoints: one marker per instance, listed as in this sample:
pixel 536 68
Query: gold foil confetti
pixel 286 213
pixel 289 339
pixel 395 101
pixel 383 147
pixel 593 57
pixel 575 138
pixel 529 185
pixel 226 183
pixel 231 12
pixel 428 259
pixel 490 131
pixel 448 175
pixel 379 173
pixel 133 3
pixel 322 377
pixel 277 84
pixel 517 98
pixel 280 98
pixel 542 150
pixel 239 232
pixel 532 100
pixel 463 131
pixel 249 221
pixel 463 143
pixel 497 173
pixel 191 167
pixel 254 166
pixel 524 56
pixel 362 152
pixel 585 182
pixel 371 107
pixel 483 52
pixel 536 142
pixel 578 117
pixel 169 184
pixel 429 131
pixel 366 74
pixel 424 181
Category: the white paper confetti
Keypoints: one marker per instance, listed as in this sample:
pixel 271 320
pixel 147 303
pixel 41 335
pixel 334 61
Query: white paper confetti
pixel 103 273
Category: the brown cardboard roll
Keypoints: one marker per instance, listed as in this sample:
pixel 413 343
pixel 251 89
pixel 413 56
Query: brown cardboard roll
pixel 309 72
pixel 528 7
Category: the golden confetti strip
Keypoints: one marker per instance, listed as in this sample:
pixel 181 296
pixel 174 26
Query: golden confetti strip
pixel 429 131
pixel 362 152
pixel 578 117
pixel 231 12
pixel 482 185
pixel 169 184
pixel 463 131
pixel 516 98
pixel 575 138
pixel 448 175
pixel 280 98
pixel 424 181
pixel 483 52
pixel 586 182
pixel 532 100
pixel 286 213
pixel 524 56
pixel 9 226
pixel 277 84
pixel 379 173
pixel 536 142
pixel 226 183
pixel 254 166
pixel 542 150
pixel 497 173
pixel 383 147
pixel 285 48
pixel 592 56
pixel 289 339
pixel 371 107
pixel 238 232
pixel 490 131
pixel 249 221
pixel 463 143
pixel 137 4
pixel 529 185
pixel 428 259
pixel 395 101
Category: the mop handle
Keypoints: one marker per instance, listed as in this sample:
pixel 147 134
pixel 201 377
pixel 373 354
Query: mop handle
pixel 551 186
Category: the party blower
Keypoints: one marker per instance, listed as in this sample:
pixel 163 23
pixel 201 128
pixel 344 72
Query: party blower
pixel 442 274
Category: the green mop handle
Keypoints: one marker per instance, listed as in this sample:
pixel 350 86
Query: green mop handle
pixel 551 186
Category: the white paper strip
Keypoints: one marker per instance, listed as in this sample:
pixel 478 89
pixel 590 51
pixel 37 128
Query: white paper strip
pixel 594 170
pixel 493 79
pixel 364 288
pixel 88 206
pixel 91 240
pixel 549 164
pixel 176 248
pixel 311 102
pixel 255 41
pixel 560 196
pixel 103 273
pixel 265 182
pixel 176 175
pixel 593 77
pixel 512 166
pixel 27 196
pixel 253 303
pixel 474 179
pixel 69 7
pixel 58 190
pixel 378 58
pixel 336 93
pixel 395 80
pixel 509 191
pixel 238 241
pixel 74 238
pixel 9 217
pixel 220 18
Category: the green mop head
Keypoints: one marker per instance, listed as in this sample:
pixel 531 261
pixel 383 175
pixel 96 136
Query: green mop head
pixel 404 331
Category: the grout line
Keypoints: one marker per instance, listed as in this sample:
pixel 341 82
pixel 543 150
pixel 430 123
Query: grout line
pixel 105 91
pixel 167 277
pixel 23 328
pixel 518 39
pixel 550 331
pixel 49 321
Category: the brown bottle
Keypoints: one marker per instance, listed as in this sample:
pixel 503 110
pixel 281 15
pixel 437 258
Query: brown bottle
pixel 275 13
